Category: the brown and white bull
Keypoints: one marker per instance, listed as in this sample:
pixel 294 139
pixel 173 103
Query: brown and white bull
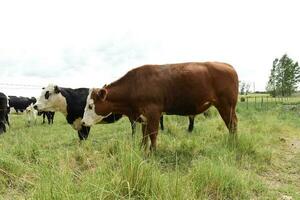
pixel 146 92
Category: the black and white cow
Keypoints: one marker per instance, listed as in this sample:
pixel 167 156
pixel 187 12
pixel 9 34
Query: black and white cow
pixel 20 103
pixel 71 103
pixel 48 114
pixel 3 112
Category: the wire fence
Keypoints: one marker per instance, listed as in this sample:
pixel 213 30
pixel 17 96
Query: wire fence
pixel 20 89
pixel 257 102
pixel 23 85
pixel 15 86
pixel 267 102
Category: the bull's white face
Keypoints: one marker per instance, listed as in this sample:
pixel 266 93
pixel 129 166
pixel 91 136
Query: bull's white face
pixel 90 117
pixel 51 100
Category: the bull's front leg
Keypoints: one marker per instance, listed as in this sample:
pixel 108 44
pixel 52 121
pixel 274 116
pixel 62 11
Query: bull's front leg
pixel 152 126
pixel 145 136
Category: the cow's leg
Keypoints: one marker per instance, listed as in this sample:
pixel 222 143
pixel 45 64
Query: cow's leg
pixel 84 132
pixel 7 120
pixel 52 117
pixel 228 115
pixel 49 118
pixel 2 127
pixel 44 117
pixel 133 126
pixel 161 120
pixel 191 123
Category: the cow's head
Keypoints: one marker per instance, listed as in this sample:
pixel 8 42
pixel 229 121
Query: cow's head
pixel 51 99
pixel 33 100
pixel 97 107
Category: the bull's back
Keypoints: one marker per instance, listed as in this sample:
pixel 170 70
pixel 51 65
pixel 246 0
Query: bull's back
pixel 183 86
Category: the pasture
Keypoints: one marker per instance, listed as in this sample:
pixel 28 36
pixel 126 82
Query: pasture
pixel 48 162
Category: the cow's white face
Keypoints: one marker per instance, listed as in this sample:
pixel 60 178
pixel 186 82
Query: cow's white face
pixel 52 100
pixel 31 113
pixel 90 116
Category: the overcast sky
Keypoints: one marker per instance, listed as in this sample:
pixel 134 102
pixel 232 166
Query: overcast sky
pixel 90 43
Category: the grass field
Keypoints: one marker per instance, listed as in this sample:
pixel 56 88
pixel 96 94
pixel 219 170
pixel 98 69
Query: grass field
pixel 48 162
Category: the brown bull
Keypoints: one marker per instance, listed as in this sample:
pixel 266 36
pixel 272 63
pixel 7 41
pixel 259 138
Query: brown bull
pixel 146 92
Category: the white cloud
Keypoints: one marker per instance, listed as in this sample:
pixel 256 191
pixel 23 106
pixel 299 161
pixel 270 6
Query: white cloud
pixel 89 43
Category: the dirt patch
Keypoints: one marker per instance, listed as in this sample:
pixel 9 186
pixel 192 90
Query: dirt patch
pixel 285 166
pixel 295 145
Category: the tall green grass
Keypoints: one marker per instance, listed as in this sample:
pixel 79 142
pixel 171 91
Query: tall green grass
pixel 48 162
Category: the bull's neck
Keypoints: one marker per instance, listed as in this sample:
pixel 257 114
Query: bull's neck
pixel 118 96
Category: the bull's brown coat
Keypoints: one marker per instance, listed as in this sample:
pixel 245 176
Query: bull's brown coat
pixel 179 89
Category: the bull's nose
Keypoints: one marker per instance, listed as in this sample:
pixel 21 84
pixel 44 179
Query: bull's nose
pixel 35 107
pixel 82 123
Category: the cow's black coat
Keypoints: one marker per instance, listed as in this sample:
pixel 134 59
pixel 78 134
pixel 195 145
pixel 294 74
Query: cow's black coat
pixel 76 101
pixel 3 112
pixel 20 103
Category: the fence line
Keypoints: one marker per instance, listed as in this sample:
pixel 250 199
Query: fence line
pixel 265 102
pixel 23 85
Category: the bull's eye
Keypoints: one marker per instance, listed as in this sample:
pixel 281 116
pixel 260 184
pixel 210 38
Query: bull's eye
pixel 90 107
pixel 47 94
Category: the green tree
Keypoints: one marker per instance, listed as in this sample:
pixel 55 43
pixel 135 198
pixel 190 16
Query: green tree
pixel 284 77
pixel 271 86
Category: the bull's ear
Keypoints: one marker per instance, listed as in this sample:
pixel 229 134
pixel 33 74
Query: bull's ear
pixel 102 93
pixel 56 89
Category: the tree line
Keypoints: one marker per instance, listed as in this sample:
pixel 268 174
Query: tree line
pixel 284 77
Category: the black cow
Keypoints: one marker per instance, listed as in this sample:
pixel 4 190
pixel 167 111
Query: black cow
pixel 20 103
pixel 191 121
pixel 3 112
pixel 48 114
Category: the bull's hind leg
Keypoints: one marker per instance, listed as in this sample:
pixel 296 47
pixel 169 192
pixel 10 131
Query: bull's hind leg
pixel 150 128
pixel 228 115
pixel 145 137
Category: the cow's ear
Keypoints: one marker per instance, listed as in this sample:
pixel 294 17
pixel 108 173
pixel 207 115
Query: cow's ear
pixel 102 93
pixel 56 89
